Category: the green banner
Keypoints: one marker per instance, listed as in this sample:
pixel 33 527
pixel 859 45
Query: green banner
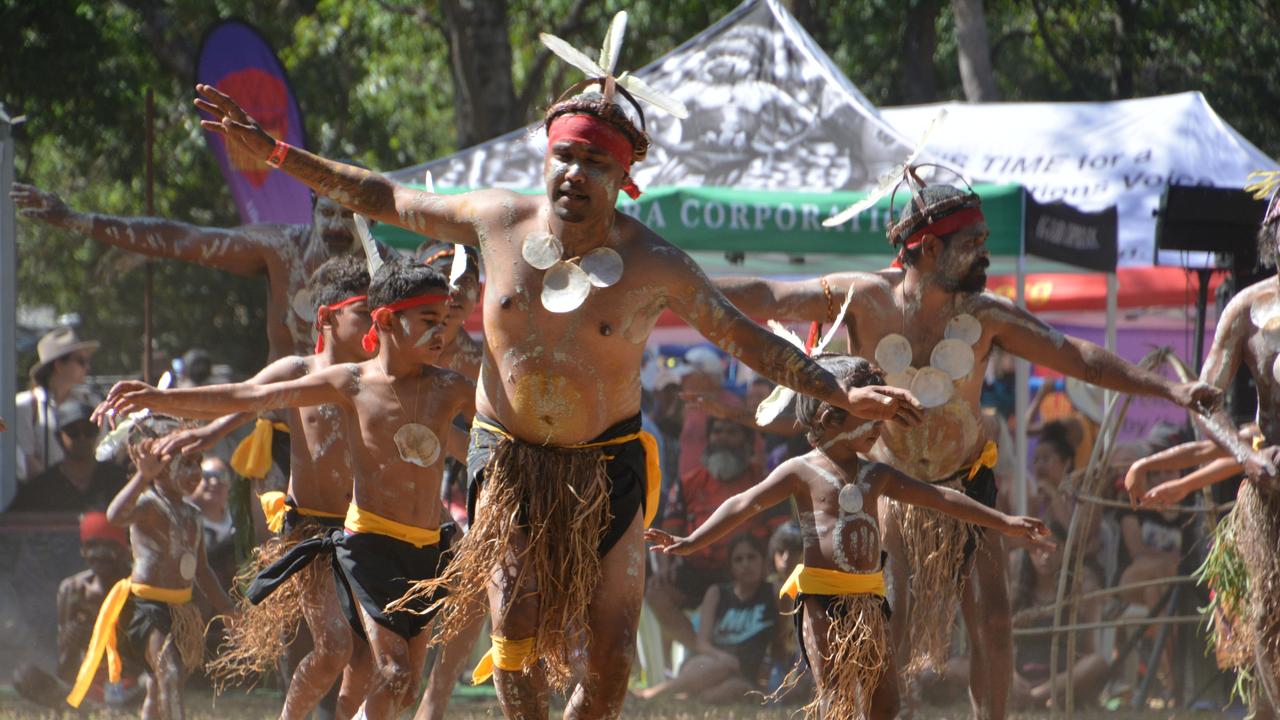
pixel 751 221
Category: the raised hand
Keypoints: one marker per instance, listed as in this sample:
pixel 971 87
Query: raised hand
pixel 1030 529
pixel 1135 483
pixel 884 402
pixel 125 397
pixel 1164 495
pixel 186 442
pixel 1198 397
pixel 146 460
pixel 663 541
pixel 40 205
pixel 232 122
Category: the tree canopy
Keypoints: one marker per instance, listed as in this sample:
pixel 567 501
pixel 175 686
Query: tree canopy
pixel 396 82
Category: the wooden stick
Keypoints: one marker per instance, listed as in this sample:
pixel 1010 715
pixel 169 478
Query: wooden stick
pixel 1043 609
pixel 1120 622
pixel 1104 502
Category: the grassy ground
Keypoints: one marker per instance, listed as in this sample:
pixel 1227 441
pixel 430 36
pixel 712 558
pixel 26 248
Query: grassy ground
pixel 265 705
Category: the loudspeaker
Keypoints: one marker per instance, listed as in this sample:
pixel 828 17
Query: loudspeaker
pixel 1208 219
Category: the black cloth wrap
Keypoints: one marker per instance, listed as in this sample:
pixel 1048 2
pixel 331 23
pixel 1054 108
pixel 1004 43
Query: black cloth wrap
pixel 982 488
pixel 827 601
pixel 293 518
pixel 138 620
pixel 370 569
pixel 625 468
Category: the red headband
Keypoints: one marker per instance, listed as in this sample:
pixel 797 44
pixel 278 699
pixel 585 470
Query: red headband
pixel 370 341
pixel 320 333
pixel 597 133
pixel 945 226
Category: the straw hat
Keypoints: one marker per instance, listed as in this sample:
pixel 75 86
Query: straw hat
pixel 58 343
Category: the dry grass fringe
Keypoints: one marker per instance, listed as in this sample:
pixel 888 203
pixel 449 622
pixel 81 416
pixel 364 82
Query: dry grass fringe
pixel 1224 573
pixel 187 633
pixel 259 636
pixel 555 503
pixel 857 651
pixel 935 553
pixel 1257 531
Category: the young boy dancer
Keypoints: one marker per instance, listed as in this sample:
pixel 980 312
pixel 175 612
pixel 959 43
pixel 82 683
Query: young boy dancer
pixel 402 408
pixel 840 586
pixel 150 615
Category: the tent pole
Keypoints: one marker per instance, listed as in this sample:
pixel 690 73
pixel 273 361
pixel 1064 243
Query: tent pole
pixel 1022 376
pixel 9 314
pixel 1113 301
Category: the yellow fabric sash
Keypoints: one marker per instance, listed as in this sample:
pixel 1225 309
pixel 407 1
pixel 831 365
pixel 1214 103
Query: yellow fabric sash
pixel 363 521
pixel 505 654
pixel 1258 442
pixel 820 581
pixel 990 454
pixel 103 639
pixel 652 462
pixel 275 505
pixel 252 457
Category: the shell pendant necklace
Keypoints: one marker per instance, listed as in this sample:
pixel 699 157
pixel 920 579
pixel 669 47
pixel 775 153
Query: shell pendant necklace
pixel 567 283
pixel 414 441
pixel 951 360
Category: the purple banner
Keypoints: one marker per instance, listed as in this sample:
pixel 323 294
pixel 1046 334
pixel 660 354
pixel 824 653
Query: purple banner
pixel 237 60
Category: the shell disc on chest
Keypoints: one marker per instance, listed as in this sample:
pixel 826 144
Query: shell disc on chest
pixel 932 387
pixel 603 266
pixel 187 566
pixel 963 327
pixel 417 444
pixel 893 353
pixel 851 498
pixel 541 250
pixel 953 357
pixel 564 287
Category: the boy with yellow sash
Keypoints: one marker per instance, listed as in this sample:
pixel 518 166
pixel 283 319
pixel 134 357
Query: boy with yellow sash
pixel 839 588
pixel 402 407
pixel 150 616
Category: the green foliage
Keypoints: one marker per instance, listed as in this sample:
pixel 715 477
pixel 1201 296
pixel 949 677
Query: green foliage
pixel 374 82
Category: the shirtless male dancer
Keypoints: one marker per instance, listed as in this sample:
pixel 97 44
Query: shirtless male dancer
pixel 317 497
pixel 1248 334
pixel 932 314
pixel 401 408
pixel 560 380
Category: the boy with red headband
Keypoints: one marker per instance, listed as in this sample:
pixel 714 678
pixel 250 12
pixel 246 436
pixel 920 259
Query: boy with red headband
pixel 562 478
pixel 930 326
pixel 401 406
pixel 317 498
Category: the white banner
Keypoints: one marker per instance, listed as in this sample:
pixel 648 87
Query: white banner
pixel 1094 155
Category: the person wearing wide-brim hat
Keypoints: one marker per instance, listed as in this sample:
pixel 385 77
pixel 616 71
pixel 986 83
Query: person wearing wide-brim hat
pixel 61 368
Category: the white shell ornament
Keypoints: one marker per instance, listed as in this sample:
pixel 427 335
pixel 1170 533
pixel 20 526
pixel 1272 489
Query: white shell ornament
pixel 187 566
pixel 963 327
pixel 902 379
pixel 953 357
pixel 603 266
pixel 1275 369
pixel 564 287
pixel 417 444
pixel 893 353
pixel 303 306
pixel 542 250
pixel 932 387
pixel 1271 329
pixel 851 499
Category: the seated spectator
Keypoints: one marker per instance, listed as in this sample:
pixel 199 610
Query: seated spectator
pixel 105 549
pixel 1150 549
pixel 1035 587
pixel 1053 466
pixel 77 482
pixel 55 378
pixel 210 496
pixel 703 375
pixel 737 624
pixel 726 469
pixel 1076 407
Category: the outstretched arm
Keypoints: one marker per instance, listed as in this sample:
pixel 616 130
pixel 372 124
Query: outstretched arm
pixel 908 490
pixel 1026 336
pixel 222 249
pixel 1168 494
pixel 692 296
pixel 778 486
pixel 444 217
pixel 1178 457
pixel 336 384
pixel 787 300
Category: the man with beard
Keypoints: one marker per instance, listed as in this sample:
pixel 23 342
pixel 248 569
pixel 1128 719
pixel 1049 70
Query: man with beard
pixel 931 327
pixel 726 468
pixel 286 254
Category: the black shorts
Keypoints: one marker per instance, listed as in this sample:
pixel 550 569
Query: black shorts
pixel 138 620
pixel 982 488
pixel 625 467
pixel 375 570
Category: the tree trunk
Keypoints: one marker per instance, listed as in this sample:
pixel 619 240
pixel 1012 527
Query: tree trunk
pixel 484 97
pixel 974 51
pixel 920 82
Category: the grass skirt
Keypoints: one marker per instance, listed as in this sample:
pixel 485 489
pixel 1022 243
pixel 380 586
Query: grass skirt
pixel 187 633
pixel 935 554
pixel 257 638
pixel 542 514
pixel 857 653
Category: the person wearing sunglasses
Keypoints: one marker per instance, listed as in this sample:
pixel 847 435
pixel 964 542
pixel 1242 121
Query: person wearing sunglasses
pixel 57 376
pixel 77 482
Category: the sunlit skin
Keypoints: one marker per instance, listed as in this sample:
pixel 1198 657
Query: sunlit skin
pixel 917 302
pixel 165 530
pixel 320 479
pixel 286 254
pixel 377 397
pixel 853 545
pixel 561 379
